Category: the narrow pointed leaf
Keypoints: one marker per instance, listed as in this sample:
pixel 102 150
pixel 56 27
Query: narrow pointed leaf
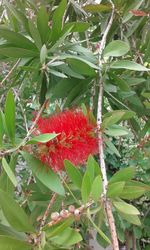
pixel 73 173
pixel 9 172
pixel 10 115
pixel 68 237
pixel 125 208
pixel 124 174
pixel 17 39
pixel 116 48
pixel 42 24
pixel 14 214
pixel 97 188
pixel 44 174
pixel 43 54
pixel 10 243
pixel 86 188
pixel 57 20
pixel 132 219
pixel 126 64
pixel 42 138
pixel 115 189
pixel 1 129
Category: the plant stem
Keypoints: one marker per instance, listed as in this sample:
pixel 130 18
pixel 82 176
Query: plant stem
pixel 9 73
pixel 52 200
pixel 133 242
pixel 107 203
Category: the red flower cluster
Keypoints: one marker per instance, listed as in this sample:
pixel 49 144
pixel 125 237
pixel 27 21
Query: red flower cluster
pixel 76 141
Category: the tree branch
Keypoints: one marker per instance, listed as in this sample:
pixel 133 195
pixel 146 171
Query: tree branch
pixel 9 73
pixel 107 203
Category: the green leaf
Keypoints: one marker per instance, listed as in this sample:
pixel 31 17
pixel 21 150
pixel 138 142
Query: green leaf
pixel 86 187
pixel 57 20
pixel 16 52
pixel 124 174
pixel 54 230
pixel 68 237
pixel 9 172
pixel 68 71
pixel 133 219
pixel 112 147
pixel 147 104
pixel 5 182
pixel 14 214
pixel 8 231
pixel 90 168
pixel 43 83
pixel 126 64
pixel 115 189
pixel 44 174
pixel 42 24
pixel 81 67
pixel 19 15
pixel 43 54
pixel 134 189
pixel 146 94
pixel 16 39
pixel 127 114
pixel 100 232
pixel 42 138
pixel 35 34
pixel 125 208
pixel 10 115
pixel 77 26
pixel 121 83
pixel 73 173
pixel 97 188
pixel 9 243
pixel 69 56
pixel 116 48
pixel 113 118
pixel 130 193
pixel 117 130
pixel 1 128
pixel 59 42
pixel 57 73
pixel 138 184
pixel 94 8
pixel 94 165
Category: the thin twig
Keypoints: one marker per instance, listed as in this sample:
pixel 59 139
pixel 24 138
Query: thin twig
pixel 9 73
pixel 107 203
pixel 47 211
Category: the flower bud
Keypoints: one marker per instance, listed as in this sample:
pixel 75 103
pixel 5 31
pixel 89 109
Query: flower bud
pixel 55 216
pixel 71 209
pixel 64 213
pixel 77 212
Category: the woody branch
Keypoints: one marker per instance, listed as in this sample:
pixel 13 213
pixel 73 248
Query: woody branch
pixel 107 203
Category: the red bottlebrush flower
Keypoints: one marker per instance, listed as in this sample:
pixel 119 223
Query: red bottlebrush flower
pixel 76 141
